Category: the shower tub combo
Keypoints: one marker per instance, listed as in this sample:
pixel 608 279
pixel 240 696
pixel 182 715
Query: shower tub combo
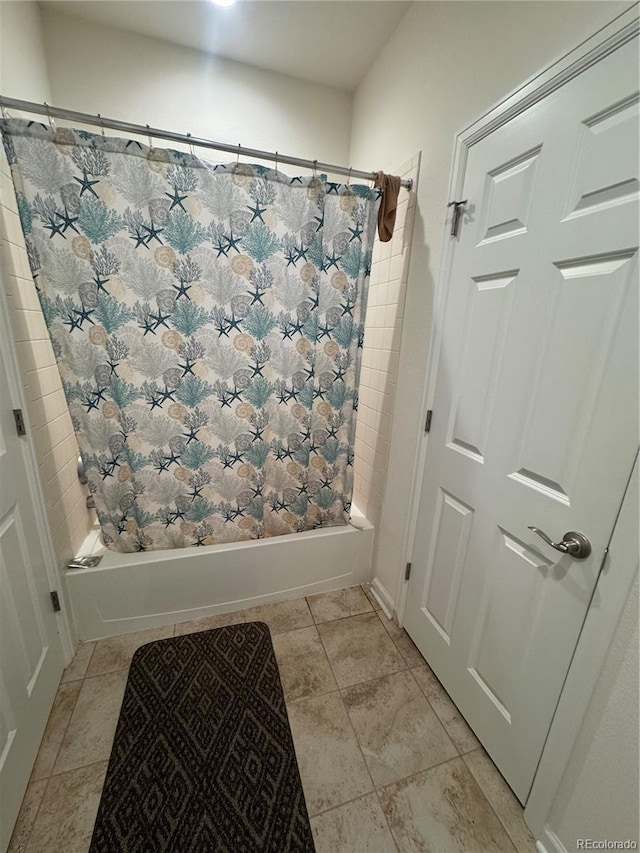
pixel 131 592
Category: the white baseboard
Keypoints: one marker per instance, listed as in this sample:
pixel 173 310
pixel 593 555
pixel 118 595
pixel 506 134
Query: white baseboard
pixel 550 843
pixel 383 598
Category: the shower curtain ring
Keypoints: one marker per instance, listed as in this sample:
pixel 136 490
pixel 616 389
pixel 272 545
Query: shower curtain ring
pixel 193 153
pixel 238 157
pixel 51 122
pixel 149 135
pixel 101 124
pixel 315 168
pixel 349 178
pixel 276 162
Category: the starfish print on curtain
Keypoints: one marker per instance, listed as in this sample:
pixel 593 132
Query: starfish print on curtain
pixel 207 321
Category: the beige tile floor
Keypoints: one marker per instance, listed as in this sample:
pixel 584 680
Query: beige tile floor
pixel 387 762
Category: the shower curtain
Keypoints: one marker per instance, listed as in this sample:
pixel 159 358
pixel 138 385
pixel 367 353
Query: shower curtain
pixel 207 321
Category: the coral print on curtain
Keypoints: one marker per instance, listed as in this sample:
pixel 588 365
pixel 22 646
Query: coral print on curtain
pixel 207 321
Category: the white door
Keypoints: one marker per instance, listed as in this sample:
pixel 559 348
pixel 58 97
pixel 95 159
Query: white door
pixel 535 413
pixel 31 659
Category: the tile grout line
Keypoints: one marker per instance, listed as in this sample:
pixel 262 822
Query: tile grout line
pixel 355 800
pixel 439 718
pixel 378 612
pixel 355 684
pixel 66 728
pixel 346 710
pixel 386 820
pixel 500 821
pixel 441 764
pixel 46 779
pixel 44 794
pixel 466 751
pixel 374 791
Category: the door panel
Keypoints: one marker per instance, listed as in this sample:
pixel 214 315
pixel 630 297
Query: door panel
pixel 30 649
pixel 535 407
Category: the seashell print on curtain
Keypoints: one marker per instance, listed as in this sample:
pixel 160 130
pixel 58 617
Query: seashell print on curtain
pixel 207 321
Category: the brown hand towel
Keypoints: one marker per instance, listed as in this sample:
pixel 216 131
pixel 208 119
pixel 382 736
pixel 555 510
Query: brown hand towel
pixel 388 205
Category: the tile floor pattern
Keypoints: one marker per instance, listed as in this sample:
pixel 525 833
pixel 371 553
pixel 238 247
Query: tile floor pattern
pixel 387 762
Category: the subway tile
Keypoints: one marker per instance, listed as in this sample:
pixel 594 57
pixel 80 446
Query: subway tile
pixel 385 253
pixel 32 355
pixel 80 533
pixel 43 381
pixel 391 316
pixel 48 436
pixel 66 476
pixel 10 227
pixel 24 291
pixel 58 458
pixel 19 263
pixel 28 325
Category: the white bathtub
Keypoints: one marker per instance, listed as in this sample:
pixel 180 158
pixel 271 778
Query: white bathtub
pixel 130 592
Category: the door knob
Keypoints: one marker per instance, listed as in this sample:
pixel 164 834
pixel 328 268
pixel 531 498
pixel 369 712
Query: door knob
pixel 575 544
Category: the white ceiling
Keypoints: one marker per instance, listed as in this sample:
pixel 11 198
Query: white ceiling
pixel 324 41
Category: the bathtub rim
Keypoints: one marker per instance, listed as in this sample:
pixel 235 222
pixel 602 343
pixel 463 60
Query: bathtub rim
pixel 93 546
pixel 126 593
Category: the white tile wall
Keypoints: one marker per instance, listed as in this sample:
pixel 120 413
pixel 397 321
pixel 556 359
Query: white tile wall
pixel 47 412
pixel 383 329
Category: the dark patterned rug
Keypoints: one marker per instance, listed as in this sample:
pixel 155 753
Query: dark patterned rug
pixel 203 759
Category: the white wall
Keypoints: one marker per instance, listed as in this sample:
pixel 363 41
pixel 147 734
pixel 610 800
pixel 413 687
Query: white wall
pixel 598 796
pixel 23 74
pixel 144 80
pixel 23 68
pixel 446 64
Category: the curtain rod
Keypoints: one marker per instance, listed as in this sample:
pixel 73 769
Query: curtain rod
pixel 145 130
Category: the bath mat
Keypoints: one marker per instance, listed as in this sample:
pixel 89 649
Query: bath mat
pixel 203 759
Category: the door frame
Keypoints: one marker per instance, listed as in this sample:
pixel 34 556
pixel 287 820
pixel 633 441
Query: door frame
pixel 64 620
pixel 599 628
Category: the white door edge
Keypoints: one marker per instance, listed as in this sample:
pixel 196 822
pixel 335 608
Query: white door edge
pixel 602 43
pixel 597 633
pixel 65 626
pixel 613 588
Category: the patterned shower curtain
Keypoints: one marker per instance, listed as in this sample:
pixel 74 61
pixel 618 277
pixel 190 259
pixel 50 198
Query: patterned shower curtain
pixel 207 322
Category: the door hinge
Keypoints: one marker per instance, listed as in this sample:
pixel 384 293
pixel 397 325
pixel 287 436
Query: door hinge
pixel 407 572
pixel 427 423
pixel 458 207
pixel 20 424
pixel 55 600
